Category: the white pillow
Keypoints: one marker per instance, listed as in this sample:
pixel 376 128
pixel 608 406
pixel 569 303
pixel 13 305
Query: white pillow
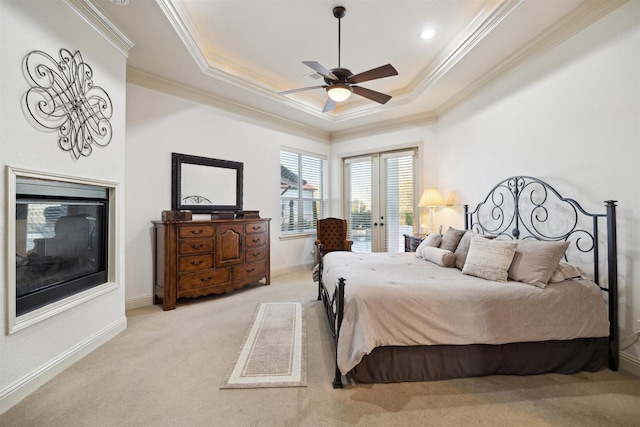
pixel 432 239
pixel 439 256
pixel 489 259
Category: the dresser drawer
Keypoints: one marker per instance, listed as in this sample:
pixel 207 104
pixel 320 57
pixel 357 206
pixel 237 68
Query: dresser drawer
pixel 248 270
pixel 255 227
pixel 195 262
pixel 194 246
pixel 252 240
pixel 203 279
pixel 195 231
pixel 255 254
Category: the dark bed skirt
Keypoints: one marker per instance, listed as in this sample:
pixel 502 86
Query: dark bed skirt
pixel 441 362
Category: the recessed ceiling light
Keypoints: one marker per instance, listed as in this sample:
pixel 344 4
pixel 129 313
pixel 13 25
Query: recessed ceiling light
pixel 121 2
pixel 427 34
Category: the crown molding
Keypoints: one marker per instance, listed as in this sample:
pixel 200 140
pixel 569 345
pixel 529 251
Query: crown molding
pixel 100 22
pixel 414 120
pixel 170 87
pixel 216 66
pixel 488 20
pixel 584 15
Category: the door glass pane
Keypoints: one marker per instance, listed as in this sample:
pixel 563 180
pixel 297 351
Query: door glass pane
pixel 358 192
pixel 397 188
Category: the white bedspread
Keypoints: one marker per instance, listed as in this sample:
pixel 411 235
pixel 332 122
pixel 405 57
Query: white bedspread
pixel 400 300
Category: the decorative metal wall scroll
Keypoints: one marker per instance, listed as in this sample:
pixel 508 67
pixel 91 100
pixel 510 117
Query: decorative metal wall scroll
pixel 63 98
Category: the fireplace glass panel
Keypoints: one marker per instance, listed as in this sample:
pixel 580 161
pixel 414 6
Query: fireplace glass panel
pixel 60 242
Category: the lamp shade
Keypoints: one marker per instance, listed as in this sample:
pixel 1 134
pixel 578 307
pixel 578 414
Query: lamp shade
pixel 339 92
pixel 431 197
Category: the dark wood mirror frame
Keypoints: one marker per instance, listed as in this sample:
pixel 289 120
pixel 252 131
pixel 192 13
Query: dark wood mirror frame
pixel 223 190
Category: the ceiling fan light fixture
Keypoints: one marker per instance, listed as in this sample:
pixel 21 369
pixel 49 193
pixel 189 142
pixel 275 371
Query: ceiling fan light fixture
pixel 339 92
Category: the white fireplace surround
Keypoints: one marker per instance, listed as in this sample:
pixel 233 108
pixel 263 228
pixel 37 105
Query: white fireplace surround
pixel 17 323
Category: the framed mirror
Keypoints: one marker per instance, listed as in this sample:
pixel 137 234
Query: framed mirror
pixel 205 185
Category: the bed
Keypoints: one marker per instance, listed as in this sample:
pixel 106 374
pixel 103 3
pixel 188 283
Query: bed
pixel 550 305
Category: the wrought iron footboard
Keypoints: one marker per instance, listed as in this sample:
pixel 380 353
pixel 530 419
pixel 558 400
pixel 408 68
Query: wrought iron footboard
pixel 334 309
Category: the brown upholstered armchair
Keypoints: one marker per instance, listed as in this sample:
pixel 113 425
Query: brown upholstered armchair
pixel 332 235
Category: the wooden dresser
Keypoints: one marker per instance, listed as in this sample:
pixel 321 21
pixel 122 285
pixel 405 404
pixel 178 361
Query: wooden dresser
pixel 196 258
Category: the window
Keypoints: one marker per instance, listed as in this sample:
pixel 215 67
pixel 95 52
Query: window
pixel 303 191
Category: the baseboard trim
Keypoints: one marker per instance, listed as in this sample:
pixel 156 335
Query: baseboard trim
pixel 291 269
pixel 23 387
pixel 630 364
pixel 138 302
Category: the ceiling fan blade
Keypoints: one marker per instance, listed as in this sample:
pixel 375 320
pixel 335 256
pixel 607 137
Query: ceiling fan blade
pixel 375 73
pixel 320 69
pixel 379 97
pixel 287 92
pixel 329 106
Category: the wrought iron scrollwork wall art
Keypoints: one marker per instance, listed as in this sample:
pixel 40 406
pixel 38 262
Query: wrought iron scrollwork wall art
pixel 63 97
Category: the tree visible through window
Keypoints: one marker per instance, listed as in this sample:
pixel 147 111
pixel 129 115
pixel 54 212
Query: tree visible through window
pixel 303 191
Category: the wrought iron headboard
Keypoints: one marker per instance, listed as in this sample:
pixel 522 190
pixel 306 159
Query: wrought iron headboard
pixel 520 207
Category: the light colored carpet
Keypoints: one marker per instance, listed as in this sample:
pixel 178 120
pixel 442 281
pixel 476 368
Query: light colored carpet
pixel 166 370
pixel 274 352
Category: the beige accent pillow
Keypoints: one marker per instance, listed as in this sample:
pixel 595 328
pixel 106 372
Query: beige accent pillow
pixel 439 256
pixel 566 271
pixel 463 247
pixel 432 239
pixel 535 261
pixel 489 259
pixel 451 239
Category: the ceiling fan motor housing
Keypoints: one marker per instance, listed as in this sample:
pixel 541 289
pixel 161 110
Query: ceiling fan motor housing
pixel 342 74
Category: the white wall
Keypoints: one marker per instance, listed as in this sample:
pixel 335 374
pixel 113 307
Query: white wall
pixel 30 356
pixel 572 118
pixel 159 124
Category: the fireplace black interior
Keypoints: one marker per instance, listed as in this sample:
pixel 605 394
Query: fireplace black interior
pixel 61 240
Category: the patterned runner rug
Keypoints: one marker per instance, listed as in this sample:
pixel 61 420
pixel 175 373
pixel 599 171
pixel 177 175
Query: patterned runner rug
pixel 274 352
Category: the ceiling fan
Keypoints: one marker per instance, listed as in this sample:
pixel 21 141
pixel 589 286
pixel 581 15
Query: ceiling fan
pixel 341 82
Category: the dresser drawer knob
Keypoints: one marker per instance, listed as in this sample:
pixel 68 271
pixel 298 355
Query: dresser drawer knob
pixel 256 227
pixel 197 246
pixel 206 279
pixel 196 262
pixel 256 254
pixel 251 270
pixel 197 231
pixel 256 240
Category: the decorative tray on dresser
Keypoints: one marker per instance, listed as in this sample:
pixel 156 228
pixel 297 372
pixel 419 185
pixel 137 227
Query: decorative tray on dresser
pixel 196 258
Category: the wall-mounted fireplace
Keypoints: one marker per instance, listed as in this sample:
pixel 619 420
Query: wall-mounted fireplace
pixel 61 240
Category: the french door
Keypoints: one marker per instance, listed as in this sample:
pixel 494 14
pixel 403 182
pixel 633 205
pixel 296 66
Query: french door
pixel 380 192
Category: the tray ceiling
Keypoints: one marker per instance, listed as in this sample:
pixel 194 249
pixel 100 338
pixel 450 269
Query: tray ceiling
pixel 238 55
